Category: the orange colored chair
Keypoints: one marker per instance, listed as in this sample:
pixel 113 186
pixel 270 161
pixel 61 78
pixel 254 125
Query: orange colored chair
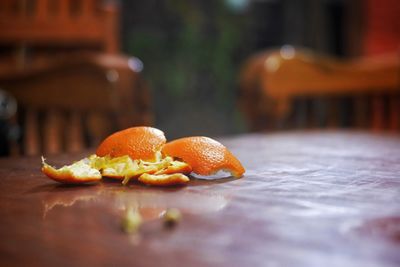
pixel 270 82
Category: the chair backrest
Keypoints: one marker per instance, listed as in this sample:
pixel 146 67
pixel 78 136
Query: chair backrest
pixel 275 82
pixel 82 23
pixel 32 31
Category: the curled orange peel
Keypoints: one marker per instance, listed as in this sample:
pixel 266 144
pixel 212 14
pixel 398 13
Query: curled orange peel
pixel 206 156
pixel 136 142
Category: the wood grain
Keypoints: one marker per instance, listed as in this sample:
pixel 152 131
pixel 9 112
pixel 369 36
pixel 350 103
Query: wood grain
pixel 307 199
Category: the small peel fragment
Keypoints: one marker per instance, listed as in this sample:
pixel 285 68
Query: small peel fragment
pixel 76 173
pixel 175 167
pixel 163 179
pixel 172 217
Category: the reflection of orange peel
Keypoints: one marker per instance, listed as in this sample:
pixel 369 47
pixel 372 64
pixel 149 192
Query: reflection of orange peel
pixel 149 203
pixel 50 204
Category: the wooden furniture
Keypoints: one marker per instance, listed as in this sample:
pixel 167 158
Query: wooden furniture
pixel 61 61
pixel 307 199
pixel 89 23
pixel 272 80
pixel 381 32
pixel 75 104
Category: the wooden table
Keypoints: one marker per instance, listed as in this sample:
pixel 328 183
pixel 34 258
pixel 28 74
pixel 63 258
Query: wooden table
pixel 307 199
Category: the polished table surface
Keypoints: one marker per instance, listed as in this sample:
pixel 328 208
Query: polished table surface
pixel 307 199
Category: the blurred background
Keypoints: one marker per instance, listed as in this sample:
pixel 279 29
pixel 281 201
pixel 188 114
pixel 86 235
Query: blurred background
pixel 214 68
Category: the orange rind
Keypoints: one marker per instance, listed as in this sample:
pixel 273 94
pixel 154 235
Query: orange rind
pixel 141 153
pixel 206 156
pixel 136 142
pixel 163 179
pixel 77 173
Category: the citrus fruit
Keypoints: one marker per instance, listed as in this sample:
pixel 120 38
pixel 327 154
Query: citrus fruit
pixel 136 142
pixel 206 156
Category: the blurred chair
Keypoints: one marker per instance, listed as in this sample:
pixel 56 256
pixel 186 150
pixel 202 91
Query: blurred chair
pixel 273 82
pixel 291 88
pixel 60 60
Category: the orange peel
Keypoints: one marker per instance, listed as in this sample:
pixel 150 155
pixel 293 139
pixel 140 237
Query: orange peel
pixel 142 153
pixel 121 167
pixel 137 142
pixel 76 173
pixel 205 155
pixel 175 166
pixel 163 179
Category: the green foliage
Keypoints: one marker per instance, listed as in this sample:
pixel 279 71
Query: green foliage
pixel 191 54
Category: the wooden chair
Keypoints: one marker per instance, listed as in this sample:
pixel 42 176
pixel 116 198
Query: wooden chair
pixel 60 60
pixel 271 83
